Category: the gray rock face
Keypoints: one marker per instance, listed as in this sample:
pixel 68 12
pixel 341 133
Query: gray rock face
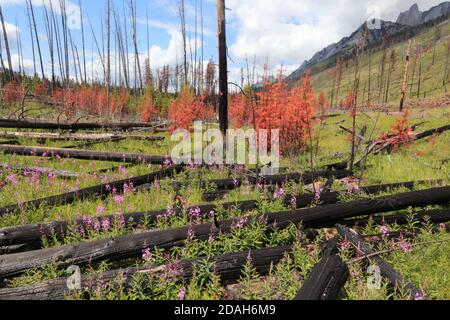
pixel 415 17
pixel 412 17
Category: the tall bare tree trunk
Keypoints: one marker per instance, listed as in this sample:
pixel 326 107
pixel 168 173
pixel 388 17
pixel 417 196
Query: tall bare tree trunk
pixel 405 77
pixel 65 40
pixel 136 50
pixel 37 39
pixel 30 26
pixel 49 29
pixel 223 69
pixel 82 41
pixel 108 52
pixel 5 38
pixel 182 14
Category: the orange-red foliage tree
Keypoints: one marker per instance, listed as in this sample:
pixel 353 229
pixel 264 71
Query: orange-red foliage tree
pixel 13 92
pixel 188 108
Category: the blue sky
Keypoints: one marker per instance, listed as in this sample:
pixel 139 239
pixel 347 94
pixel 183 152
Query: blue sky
pixel 275 31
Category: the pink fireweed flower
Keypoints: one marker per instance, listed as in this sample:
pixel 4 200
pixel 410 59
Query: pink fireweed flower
pixel 35 176
pixel 259 186
pixel 170 212
pixel 240 223
pixel 190 234
pixel 122 170
pixel 212 214
pixel 100 209
pixel 384 230
pixel 26 172
pixel 419 296
pixel 81 231
pixel 405 246
pixel 87 221
pixel 106 224
pixel 51 178
pixel 293 202
pixel 118 198
pixel 147 255
pixel 317 195
pixel 172 270
pixel 119 219
pixel 181 294
pixel 279 193
pixel 195 214
pixel 167 162
pixel 128 187
pixel 12 178
pixel 442 225
pixel 96 225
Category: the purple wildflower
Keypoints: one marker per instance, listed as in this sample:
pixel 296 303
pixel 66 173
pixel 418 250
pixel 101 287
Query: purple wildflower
pixel 97 225
pixel 122 170
pixel 119 219
pixel 172 270
pixel 236 182
pixel 147 255
pixel 405 246
pixel 181 294
pixel 167 162
pixel 106 224
pixel 81 231
pixel 100 209
pixel 240 223
pixel 87 221
pixel 12 178
pixel 195 214
pixel 419 296
pixel 279 193
pixel 293 202
pixel 317 195
pixel 190 234
pixel 118 198
pixel 384 230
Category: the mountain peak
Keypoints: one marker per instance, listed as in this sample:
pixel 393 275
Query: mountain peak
pixel 412 17
pixel 415 17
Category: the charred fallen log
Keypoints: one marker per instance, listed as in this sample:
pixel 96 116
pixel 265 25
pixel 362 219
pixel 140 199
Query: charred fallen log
pixel 83 154
pixel 132 245
pixel 4 123
pixel 32 234
pixel 228 267
pixel 394 277
pixel 305 177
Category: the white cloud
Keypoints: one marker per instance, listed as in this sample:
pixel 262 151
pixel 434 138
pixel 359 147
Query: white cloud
pixel 291 31
pixel 72 10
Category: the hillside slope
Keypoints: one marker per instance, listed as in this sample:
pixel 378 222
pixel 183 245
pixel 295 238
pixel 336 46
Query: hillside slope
pixel 431 83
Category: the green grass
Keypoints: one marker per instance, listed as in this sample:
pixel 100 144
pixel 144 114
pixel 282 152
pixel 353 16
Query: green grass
pixel 431 78
pixel 426 266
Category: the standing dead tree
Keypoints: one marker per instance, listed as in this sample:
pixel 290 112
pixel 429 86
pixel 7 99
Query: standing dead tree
pixel 223 70
pixel 5 38
pixel 50 32
pixel 30 4
pixel 134 36
pixel 405 76
pixel 182 15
